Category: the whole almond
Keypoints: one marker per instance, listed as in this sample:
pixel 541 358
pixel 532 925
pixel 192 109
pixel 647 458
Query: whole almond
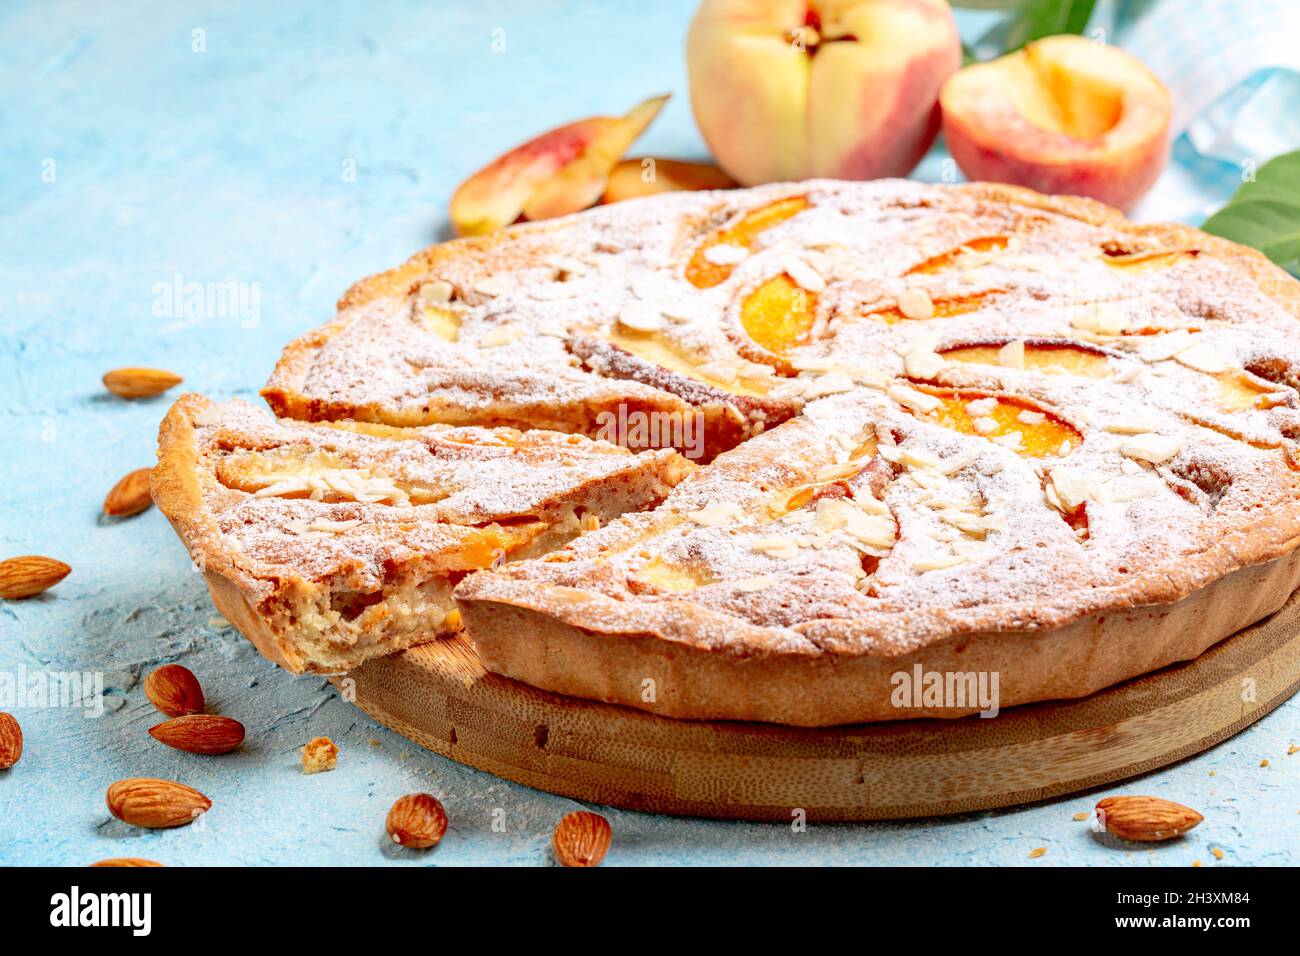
pixel 417 820
pixel 29 575
pixel 126 861
pixel 1148 819
pixel 156 804
pixel 174 690
pixel 581 839
pixel 129 496
pixel 200 733
pixel 139 382
pixel 11 741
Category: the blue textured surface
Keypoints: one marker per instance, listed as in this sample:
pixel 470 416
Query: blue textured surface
pixel 229 165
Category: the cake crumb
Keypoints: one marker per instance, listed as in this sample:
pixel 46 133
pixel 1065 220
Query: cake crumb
pixel 1082 816
pixel 1196 863
pixel 1036 852
pixel 1218 854
pixel 319 755
pixel 1264 762
pixel 374 742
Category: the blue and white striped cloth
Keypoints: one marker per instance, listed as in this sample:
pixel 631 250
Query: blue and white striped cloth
pixel 1233 68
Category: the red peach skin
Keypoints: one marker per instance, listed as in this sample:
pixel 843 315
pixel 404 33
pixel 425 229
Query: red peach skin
pixel 561 171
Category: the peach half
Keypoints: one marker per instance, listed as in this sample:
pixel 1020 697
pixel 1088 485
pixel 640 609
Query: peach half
pixel 647 176
pixel 793 89
pixel 1063 115
pixel 562 171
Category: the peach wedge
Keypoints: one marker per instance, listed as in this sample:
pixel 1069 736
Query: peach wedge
pixel 561 171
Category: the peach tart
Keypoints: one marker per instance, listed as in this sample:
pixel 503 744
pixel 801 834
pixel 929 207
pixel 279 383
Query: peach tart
pixel 966 428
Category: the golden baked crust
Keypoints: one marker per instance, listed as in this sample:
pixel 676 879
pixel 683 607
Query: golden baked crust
pixel 328 544
pixel 981 430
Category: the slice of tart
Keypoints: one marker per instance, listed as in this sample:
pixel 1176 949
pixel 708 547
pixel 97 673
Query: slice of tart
pixel 327 544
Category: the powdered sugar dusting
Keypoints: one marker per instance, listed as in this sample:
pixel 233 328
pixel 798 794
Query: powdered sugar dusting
pixel 979 524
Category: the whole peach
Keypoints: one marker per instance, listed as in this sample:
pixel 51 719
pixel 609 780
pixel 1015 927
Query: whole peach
pixel 847 89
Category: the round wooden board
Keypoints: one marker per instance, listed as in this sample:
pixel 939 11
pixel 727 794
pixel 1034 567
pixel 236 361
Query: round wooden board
pixel 440 696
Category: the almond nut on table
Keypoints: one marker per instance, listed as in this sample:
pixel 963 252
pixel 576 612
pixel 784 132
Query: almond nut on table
pixel 29 575
pixel 581 839
pixel 139 382
pixel 174 690
pixel 126 861
pixel 1147 819
pixel 155 804
pixel 200 733
pixel 417 820
pixel 11 741
pixel 130 495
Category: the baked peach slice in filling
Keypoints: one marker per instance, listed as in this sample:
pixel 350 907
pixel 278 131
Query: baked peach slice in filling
pixel 1014 423
pixel 918 305
pixel 1053 358
pixel 712 398
pixel 1238 390
pixel 779 315
pixel 444 323
pixel 842 502
pixel 659 350
pixel 1123 259
pixel 659 575
pixel 980 249
pixel 716 258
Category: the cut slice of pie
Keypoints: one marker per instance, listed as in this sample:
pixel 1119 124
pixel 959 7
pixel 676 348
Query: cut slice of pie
pixel 327 544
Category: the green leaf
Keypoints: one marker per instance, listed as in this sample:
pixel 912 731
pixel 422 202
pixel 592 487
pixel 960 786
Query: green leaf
pixel 1278 178
pixel 1265 214
pixel 1032 20
pixel 1269 225
pixel 1036 19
